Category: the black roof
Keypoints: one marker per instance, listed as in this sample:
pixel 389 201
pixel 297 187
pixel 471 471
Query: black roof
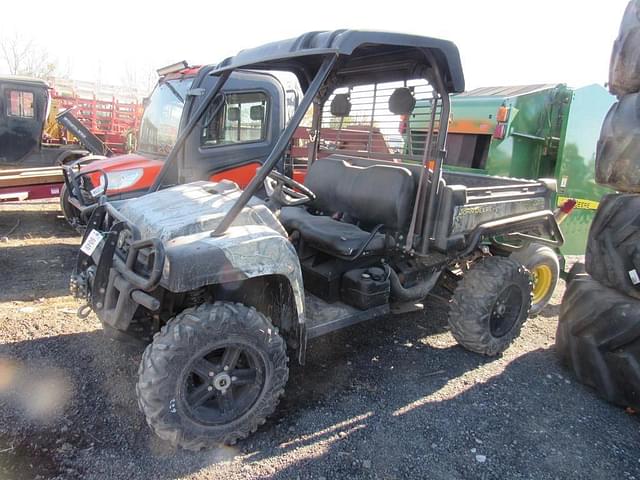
pixel 399 52
pixel 21 80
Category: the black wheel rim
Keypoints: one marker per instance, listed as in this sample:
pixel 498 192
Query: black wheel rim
pixel 223 383
pixel 506 311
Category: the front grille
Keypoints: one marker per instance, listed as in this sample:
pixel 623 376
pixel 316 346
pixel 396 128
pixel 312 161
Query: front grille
pixel 144 262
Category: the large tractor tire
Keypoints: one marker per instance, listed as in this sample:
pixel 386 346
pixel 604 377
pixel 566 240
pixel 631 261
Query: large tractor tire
pixel 624 68
pixel 212 375
pixel 578 270
pixel 544 267
pixel 490 304
pixel 613 248
pixel 618 148
pixel 599 339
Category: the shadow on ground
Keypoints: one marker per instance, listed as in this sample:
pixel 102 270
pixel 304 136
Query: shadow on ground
pixel 31 269
pixel 25 224
pixel 380 399
pixel 551 311
pixel 30 272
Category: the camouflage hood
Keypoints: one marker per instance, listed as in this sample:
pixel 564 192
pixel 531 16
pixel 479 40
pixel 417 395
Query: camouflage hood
pixel 193 208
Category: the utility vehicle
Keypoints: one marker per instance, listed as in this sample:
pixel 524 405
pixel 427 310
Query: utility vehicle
pixel 254 114
pixel 24 103
pixel 230 285
pixel 132 175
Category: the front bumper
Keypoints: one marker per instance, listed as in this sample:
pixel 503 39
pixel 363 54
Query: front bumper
pixel 111 280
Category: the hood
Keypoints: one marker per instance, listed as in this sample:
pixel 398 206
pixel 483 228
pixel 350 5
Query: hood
pixel 122 162
pixel 150 168
pixel 192 208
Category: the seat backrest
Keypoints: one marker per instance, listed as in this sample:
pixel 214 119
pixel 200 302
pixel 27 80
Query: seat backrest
pixel 375 194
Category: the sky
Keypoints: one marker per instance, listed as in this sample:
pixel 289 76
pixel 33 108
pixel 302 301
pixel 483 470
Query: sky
pixel 501 42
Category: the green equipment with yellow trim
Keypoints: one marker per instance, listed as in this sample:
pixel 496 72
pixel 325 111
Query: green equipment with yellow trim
pixel 530 131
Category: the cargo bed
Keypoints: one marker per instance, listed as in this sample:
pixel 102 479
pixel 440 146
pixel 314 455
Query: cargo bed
pixel 473 206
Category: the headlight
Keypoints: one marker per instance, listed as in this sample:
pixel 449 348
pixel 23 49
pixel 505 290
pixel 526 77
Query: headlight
pixel 122 179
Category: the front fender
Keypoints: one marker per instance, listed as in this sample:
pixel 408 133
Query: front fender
pixel 243 252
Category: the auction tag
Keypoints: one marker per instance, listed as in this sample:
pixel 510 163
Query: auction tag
pixel 91 243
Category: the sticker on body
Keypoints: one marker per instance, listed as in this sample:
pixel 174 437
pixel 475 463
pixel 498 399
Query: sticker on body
pixel 96 192
pixel 91 243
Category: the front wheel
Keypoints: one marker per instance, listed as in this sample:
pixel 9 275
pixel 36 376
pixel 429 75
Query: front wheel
pixel 71 213
pixel 212 375
pixel 490 304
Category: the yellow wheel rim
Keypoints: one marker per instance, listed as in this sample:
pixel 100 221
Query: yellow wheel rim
pixel 542 277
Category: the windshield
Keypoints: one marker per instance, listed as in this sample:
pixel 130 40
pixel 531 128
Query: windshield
pixel 161 119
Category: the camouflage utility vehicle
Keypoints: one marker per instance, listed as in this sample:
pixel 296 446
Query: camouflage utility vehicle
pixel 226 286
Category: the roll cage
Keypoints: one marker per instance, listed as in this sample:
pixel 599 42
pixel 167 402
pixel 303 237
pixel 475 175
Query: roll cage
pixel 324 61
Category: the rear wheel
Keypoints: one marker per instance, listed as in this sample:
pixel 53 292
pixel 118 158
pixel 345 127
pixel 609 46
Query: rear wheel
pixel 542 262
pixel 212 375
pixel 490 305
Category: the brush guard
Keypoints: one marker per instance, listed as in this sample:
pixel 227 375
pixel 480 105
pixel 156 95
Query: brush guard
pixel 108 279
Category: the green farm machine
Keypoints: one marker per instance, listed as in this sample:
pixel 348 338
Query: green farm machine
pixel 532 131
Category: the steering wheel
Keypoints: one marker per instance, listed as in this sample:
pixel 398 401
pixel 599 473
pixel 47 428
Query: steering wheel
pixel 284 190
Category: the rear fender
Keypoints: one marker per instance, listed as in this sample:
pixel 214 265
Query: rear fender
pixel 510 229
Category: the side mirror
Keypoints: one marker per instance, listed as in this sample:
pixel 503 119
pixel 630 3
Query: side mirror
pixel 293 99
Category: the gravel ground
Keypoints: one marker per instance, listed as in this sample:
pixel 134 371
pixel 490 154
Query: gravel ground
pixel 393 398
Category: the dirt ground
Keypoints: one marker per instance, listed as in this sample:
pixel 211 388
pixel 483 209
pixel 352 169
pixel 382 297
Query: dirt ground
pixel 392 398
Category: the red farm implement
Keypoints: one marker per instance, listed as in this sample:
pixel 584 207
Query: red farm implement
pixel 113 115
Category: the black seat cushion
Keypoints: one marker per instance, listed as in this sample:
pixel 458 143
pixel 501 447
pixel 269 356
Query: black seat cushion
pixel 375 194
pixel 329 235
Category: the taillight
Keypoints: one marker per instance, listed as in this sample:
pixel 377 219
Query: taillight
pixel 501 131
pixel 503 114
pixel 502 120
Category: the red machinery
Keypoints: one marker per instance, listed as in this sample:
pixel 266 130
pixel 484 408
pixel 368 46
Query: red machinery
pixel 110 114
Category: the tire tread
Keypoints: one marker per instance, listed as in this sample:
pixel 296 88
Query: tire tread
pixel 470 304
pixel 176 339
pixel 598 337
